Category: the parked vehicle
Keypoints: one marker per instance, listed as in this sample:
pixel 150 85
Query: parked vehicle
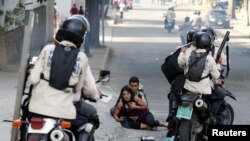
pixel 223 4
pixel 217 18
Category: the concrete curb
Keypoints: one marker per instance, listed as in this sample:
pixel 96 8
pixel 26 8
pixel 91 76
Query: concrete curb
pixel 106 58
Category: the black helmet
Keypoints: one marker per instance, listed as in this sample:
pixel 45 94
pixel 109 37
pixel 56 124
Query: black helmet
pixel 73 29
pixel 191 35
pixel 211 33
pixel 203 41
pixel 187 19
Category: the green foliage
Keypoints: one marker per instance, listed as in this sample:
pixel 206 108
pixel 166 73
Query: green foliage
pixel 14 18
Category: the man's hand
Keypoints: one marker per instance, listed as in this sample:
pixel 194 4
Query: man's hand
pixel 219 81
pixel 132 105
pixel 121 119
pixel 183 49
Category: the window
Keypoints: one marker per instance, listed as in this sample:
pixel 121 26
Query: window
pixel 218 12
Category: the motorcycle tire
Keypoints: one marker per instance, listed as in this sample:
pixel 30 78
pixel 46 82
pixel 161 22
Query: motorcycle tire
pixel 169 29
pixel 86 137
pixel 184 130
pixel 226 112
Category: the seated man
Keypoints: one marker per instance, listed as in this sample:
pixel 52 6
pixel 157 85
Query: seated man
pixel 136 87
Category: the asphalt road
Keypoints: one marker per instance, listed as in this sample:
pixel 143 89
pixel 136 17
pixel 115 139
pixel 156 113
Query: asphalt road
pixel 139 47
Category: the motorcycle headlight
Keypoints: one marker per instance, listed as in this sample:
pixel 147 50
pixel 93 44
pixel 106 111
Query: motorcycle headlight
pixel 211 19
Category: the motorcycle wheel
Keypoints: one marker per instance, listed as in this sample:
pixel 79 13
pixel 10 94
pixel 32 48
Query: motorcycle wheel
pixel 184 130
pixel 226 116
pixel 169 29
pixel 86 137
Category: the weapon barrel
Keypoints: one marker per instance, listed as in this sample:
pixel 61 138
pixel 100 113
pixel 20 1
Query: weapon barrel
pixel 225 39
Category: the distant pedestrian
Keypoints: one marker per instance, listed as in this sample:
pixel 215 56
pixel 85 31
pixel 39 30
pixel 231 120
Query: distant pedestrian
pixel 55 17
pixel 81 11
pixel 74 10
pixel 184 28
pixel 122 7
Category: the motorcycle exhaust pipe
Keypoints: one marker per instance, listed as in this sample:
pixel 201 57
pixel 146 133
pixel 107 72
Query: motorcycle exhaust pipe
pixel 59 135
pixel 201 104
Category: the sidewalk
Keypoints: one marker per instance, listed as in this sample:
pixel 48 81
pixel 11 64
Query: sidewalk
pixel 239 25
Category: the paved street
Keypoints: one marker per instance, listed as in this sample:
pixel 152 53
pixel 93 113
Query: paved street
pixel 138 46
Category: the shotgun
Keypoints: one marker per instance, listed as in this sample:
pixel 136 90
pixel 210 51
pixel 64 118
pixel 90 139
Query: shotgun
pixel 225 39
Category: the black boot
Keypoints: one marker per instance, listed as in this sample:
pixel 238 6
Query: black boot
pixel 172 106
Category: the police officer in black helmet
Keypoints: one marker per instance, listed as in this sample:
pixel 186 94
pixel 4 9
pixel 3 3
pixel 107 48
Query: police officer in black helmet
pixel 198 80
pixel 223 58
pixel 61 71
pixel 210 31
pixel 191 35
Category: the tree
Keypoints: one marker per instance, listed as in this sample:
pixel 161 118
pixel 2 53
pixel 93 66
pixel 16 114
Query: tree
pixel 92 11
pixel 231 9
pixel 246 6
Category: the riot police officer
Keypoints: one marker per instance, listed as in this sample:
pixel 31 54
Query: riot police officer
pixel 61 71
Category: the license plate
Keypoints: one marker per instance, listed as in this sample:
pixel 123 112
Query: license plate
pixel 184 112
pixel 169 138
pixel 220 23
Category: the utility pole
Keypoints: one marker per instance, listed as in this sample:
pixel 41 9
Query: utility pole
pixel 246 6
pixel 22 71
pixel 231 9
pixel 102 11
pixel 49 20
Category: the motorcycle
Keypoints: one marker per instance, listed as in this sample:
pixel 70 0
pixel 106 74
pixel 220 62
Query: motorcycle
pixel 56 129
pixel 35 127
pixel 169 25
pixel 196 111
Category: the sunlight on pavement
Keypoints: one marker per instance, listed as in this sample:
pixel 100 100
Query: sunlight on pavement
pixel 146 39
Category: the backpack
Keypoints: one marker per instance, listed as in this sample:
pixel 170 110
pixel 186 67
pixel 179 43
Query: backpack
pixel 195 72
pixel 170 67
pixel 63 62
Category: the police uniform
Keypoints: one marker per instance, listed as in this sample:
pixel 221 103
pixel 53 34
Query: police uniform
pixel 203 86
pixel 46 100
